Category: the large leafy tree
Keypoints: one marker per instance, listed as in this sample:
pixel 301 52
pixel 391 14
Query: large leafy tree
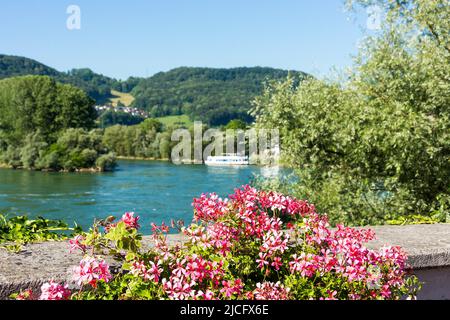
pixel 37 118
pixel 377 144
pixel 32 103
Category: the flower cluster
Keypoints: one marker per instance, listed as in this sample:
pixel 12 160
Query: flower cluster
pixel 270 291
pixel 209 207
pixel 90 271
pixel 49 291
pixel 254 219
pixel 77 244
pixel 194 277
pixel 152 273
pixel 254 245
pixel 54 291
pixel 130 220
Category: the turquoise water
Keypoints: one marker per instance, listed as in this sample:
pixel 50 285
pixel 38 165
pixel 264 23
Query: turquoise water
pixel 157 191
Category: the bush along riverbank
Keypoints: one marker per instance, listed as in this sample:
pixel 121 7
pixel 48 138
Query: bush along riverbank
pixel 18 231
pixel 76 150
pixel 254 245
pixel 46 125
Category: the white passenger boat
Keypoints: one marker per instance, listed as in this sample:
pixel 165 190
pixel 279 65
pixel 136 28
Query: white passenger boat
pixel 227 160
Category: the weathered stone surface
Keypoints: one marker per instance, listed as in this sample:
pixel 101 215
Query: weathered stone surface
pixel 35 263
pixel 40 262
pixel 428 246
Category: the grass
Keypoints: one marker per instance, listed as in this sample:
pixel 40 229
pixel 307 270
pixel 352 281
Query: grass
pixel 126 98
pixel 181 120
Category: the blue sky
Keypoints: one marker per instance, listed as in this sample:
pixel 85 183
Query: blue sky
pixel 142 37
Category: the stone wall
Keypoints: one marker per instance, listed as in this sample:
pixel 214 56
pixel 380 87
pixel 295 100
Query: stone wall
pixel 428 248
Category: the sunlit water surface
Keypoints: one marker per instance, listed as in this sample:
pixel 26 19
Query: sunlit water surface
pixel 157 191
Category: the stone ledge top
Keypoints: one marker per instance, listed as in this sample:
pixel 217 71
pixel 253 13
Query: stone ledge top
pixel 427 246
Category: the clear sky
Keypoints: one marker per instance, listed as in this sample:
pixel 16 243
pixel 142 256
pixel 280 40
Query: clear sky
pixel 142 37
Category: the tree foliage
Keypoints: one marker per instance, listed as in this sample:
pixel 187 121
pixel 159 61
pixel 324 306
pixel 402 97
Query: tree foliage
pixel 112 117
pixel 45 125
pixel 146 140
pixel 377 145
pixel 17 231
pixel 214 96
pixel 97 86
pixel 32 103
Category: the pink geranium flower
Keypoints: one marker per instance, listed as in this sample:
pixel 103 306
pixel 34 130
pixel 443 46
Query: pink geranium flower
pixel 130 220
pixel 270 291
pixel 90 271
pixel 151 273
pixel 77 244
pixel 54 291
pixel 246 237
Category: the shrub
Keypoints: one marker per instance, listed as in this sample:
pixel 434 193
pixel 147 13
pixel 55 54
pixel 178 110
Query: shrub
pixel 106 162
pixel 74 149
pixel 16 231
pixel 378 142
pixel 254 245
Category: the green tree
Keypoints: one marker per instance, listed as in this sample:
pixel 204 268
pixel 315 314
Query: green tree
pixel 214 96
pixel 75 108
pixel 377 145
pixel 236 124
pixel 152 124
pixel 32 150
pixel 44 125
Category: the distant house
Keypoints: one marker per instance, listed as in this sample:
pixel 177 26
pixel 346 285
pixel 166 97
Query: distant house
pixel 133 111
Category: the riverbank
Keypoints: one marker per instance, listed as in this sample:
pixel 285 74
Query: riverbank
pixel 281 165
pixel 80 170
pixel 5 166
pixel 142 158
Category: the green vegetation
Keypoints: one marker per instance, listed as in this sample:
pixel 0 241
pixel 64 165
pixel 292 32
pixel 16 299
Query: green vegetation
pixel 146 140
pixel 97 86
pixel 214 96
pixel 45 125
pixel 75 149
pixel 151 139
pixel 236 125
pixel 20 230
pixel 112 117
pixel 176 121
pixel 32 103
pixel 12 66
pixel 377 146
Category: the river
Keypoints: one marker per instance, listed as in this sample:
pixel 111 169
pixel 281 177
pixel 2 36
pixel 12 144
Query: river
pixel 156 191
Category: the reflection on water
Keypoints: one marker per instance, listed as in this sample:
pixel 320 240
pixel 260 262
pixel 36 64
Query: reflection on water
pixel 270 172
pixel 157 191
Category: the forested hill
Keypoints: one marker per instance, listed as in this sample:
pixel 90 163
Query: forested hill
pixel 12 66
pixel 215 96
pixel 95 85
